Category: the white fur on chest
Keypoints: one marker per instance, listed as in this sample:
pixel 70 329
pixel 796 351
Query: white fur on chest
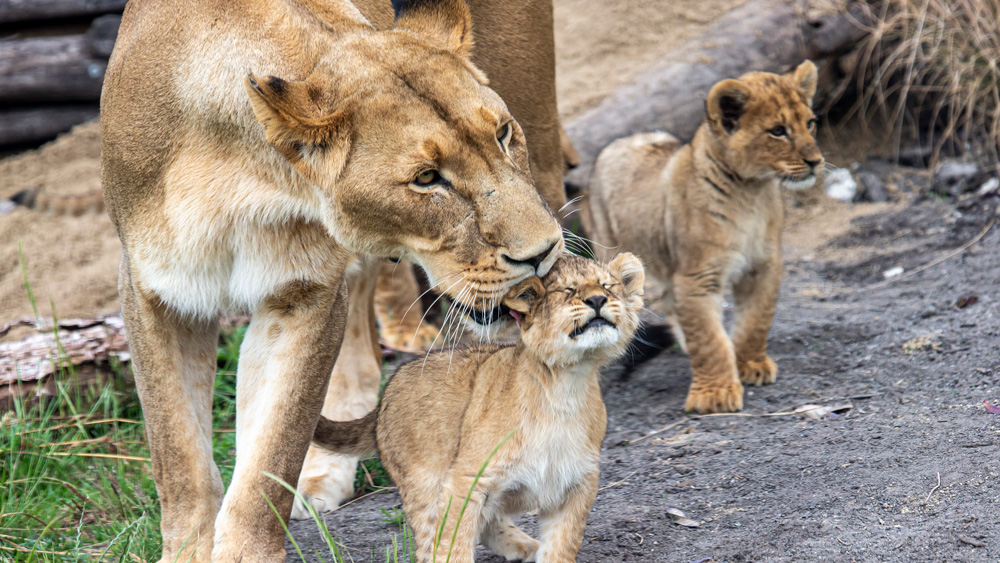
pixel 751 248
pixel 230 240
pixel 556 459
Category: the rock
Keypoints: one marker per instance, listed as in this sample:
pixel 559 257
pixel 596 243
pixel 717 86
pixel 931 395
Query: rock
pixel 956 178
pixel 840 185
pixel 989 187
pixel 871 188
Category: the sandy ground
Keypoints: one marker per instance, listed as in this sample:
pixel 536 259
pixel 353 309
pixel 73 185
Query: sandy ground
pixel 73 261
pixel 910 474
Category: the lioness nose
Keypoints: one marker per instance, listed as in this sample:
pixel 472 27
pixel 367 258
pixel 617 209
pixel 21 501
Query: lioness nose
pixel 535 260
pixel 596 302
pixel 813 163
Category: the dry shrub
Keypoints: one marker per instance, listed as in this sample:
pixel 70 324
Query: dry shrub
pixel 929 68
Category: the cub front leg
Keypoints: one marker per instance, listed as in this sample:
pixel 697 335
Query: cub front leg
pixel 715 385
pixel 562 527
pixel 755 296
pixel 505 539
pixel 462 517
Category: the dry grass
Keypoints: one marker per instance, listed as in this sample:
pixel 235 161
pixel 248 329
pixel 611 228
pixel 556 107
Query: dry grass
pixel 930 69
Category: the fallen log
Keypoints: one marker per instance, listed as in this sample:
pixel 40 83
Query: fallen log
pixel 36 125
pixel 50 69
pixel 766 35
pixel 12 11
pixel 101 36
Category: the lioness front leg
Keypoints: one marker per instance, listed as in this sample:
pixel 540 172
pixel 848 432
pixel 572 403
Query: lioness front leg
pixel 285 363
pixel 562 528
pixel 173 360
pixel 755 296
pixel 327 478
pixel 715 385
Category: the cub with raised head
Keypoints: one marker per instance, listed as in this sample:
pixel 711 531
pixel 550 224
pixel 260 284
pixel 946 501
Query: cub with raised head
pixel 440 418
pixel 708 215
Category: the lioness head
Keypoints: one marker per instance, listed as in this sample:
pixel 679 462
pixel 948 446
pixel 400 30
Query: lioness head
pixel 581 310
pixel 414 156
pixel 765 125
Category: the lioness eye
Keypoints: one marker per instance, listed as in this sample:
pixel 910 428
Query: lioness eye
pixel 427 177
pixel 778 131
pixel 503 134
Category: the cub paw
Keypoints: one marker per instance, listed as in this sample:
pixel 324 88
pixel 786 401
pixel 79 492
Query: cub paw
pixel 724 398
pixel 758 372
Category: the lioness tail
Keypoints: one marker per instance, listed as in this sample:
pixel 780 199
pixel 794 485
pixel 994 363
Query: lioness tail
pixel 355 437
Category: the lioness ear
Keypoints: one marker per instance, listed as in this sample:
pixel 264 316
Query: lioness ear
pixel 523 295
pixel 806 77
pixel 288 111
pixel 627 268
pixel 726 104
pixel 444 23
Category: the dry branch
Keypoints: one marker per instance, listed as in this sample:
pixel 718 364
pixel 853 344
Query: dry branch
pixel 34 125
pixel 12 11
pixel 79 341
pixel 767 35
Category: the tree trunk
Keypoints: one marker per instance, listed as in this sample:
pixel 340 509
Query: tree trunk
pixel 36 125
pixel 764 35
pixel 50 69
pixel 12 11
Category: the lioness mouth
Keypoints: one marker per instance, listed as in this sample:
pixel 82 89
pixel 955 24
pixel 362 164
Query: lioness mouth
pixel 592 323
pixel 487 318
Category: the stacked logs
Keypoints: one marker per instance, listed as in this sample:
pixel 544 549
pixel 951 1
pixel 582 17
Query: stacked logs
pixel 53 54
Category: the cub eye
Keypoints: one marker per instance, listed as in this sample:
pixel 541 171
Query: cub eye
pixel 503 134
pixel 570 291
pixel 778 131
pixel 427 177
pixel 811 124
pixel 608 286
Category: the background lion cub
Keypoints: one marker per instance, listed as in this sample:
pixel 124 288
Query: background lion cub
pixel 442 416
pixel 708 215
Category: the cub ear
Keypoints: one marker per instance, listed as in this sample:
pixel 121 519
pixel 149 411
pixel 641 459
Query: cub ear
pixel 444 23
pixel 627 268
pixel 726 104
pixel 294 126
pixel 523 296
pixel 806 77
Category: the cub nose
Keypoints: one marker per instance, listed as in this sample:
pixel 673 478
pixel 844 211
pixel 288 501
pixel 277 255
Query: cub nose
pixel 813 163
pixel 535 260
pixel 596 302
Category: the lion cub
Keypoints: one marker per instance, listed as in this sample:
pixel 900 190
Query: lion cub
pixel 440 418
pixel 708 215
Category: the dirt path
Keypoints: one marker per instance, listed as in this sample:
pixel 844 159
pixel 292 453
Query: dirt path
pixel 860 488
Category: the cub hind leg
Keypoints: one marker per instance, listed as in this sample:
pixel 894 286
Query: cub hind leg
pixel 505 539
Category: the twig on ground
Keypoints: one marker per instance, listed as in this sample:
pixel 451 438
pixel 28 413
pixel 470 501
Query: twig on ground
pixel 934 489
pixel 617 483
pixel 354 500
pixel 739 414
pixel 933 263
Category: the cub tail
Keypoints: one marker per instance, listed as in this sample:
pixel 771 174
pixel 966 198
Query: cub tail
pixel 354 437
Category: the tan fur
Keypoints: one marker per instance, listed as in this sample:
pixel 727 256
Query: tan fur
pixel 401 321
pixel 708 216
pixel 440 418
pixel 249 147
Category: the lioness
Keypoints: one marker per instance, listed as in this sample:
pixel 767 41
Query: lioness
pixel 708 215
pixel 249 146
pixel 441 416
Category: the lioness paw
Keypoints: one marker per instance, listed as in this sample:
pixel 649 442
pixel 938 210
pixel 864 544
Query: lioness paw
pixel 758 372
pixel 327 479
pixel 724 398
pixel 406 338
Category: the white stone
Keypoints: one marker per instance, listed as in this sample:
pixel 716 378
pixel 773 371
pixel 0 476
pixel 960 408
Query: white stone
pixel 840 185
